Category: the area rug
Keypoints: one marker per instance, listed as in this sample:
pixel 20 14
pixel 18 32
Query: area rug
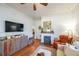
pixel 46 50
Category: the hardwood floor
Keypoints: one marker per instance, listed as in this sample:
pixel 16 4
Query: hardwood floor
pixel 28 50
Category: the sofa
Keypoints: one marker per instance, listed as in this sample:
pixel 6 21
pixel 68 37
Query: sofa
pixel 72 50
pixel 14 43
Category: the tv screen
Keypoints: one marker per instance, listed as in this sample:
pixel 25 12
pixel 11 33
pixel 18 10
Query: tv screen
pixel 13 27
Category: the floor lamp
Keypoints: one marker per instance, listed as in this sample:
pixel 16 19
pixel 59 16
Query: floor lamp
pixel 70 35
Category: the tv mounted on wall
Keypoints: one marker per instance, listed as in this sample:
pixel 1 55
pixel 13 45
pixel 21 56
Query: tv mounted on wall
pixel 13 27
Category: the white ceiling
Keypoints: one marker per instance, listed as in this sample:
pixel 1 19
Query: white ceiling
pixel 51 9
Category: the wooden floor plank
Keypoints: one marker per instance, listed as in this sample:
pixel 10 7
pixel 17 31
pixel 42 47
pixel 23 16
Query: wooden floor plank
pixel 28 50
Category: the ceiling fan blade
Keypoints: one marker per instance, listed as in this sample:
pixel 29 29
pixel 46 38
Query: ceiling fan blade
pixel 44 4
pixel 34 7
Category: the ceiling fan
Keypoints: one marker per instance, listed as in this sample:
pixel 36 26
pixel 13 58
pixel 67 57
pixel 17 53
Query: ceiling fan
pixel 34 5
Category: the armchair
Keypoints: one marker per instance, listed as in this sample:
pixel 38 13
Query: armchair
pixel 62 40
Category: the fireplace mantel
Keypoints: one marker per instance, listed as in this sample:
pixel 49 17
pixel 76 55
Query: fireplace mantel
pixel 47 34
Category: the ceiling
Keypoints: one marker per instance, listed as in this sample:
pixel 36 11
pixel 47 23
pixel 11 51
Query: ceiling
pixel 51 9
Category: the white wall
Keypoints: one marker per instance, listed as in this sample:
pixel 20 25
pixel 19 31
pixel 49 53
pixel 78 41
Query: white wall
pixel 10 14
pixel 37 23
pixel 76 14
pixel 59 20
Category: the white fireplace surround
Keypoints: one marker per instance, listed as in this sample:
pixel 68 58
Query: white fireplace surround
pixel 47 34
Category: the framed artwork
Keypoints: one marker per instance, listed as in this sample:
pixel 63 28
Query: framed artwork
pixel 47 26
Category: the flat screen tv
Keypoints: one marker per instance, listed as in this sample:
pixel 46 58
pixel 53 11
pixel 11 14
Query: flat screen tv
pixel 13 27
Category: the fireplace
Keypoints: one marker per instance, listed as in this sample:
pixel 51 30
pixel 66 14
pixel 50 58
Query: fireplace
pixel 47 39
